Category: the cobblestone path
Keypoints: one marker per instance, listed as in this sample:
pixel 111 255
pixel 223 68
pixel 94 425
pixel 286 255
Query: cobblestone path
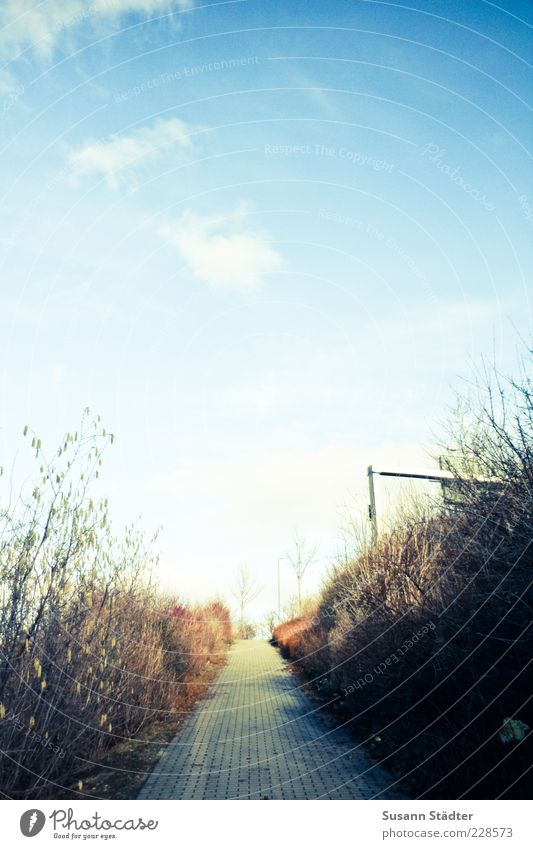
pixel 258 736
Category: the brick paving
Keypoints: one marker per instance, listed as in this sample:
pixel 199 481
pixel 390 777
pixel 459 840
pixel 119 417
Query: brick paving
pixel 258 736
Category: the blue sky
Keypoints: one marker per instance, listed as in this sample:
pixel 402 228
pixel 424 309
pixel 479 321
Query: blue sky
pixel 263 240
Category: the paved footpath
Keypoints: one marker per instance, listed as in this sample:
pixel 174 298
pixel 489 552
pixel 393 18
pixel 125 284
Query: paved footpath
pixel 258 736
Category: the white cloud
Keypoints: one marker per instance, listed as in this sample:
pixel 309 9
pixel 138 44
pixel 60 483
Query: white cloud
pixel 112 158
pixel 220 252
pixel 8 83
pixel 28 23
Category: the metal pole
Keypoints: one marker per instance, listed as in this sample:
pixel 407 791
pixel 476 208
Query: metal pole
pixel 279 588
pixel 372 514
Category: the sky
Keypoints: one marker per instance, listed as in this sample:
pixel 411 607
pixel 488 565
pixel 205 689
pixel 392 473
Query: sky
pixel 266 242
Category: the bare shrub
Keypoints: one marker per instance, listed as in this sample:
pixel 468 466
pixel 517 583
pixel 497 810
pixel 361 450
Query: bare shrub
pixel 423 641
pixel 90 652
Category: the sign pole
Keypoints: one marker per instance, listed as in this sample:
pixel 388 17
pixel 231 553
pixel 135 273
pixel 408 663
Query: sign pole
pixel 372 514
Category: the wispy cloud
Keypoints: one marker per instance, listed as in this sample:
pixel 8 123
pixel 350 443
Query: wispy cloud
pixel 39 25
pixel 115 158
pixel 221 252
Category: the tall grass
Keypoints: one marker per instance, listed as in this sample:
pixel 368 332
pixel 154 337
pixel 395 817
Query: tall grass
pixel 90 652
pixel 423 642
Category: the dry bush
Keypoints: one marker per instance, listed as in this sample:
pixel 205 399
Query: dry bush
pixel 291 636
pixel 90 652
pixel 424 640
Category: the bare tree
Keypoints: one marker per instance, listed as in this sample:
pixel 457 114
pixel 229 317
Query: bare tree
pixel 245 590
pixel 300 558
pixel 266 627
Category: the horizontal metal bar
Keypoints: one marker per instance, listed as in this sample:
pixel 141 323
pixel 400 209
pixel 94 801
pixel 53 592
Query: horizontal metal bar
pixel 418 475
pixel 430 475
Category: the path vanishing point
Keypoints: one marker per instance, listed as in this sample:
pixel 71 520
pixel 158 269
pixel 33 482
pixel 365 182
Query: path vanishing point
pixel 258 736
